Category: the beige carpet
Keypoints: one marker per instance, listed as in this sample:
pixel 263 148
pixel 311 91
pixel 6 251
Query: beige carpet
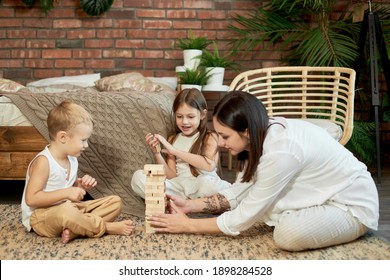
pixel 256 243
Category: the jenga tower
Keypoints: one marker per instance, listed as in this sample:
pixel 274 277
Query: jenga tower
pixel 155 198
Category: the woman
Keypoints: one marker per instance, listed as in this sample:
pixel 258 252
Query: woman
pixel 293 176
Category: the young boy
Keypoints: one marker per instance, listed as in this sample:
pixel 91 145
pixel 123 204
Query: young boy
pixel 52 199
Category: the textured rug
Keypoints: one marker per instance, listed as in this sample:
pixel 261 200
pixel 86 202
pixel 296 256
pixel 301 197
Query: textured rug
pixel 255 243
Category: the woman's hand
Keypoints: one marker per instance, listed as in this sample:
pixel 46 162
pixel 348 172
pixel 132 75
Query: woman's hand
pixel 176 222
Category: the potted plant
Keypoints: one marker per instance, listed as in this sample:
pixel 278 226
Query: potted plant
pixel 91 7
pixel 193 78
pixel 216 64
pixel 192 47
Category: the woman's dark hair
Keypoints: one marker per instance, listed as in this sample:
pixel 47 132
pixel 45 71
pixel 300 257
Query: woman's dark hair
pixel 195 99
pixel 239 111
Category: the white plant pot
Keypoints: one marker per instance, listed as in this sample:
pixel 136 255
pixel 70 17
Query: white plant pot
pixel 216 75
pixel 190 61
pixel 185 86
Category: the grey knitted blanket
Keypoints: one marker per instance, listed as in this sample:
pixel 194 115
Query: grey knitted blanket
pixel 117 146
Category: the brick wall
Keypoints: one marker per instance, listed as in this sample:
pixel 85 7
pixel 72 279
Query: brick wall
pixel 134 35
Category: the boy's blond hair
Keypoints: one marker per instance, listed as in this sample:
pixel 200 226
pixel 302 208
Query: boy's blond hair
pixel 66 116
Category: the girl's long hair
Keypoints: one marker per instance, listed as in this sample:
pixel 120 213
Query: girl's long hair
pixel 195 99
pixel 239 111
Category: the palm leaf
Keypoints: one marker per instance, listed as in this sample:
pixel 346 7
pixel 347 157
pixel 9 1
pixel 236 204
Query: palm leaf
pixel 362 143
pixel 265 25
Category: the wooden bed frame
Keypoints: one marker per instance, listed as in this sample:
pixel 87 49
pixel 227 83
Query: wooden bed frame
pixel 18 146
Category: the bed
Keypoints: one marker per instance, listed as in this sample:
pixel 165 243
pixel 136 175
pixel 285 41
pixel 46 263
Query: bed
pixel 124 107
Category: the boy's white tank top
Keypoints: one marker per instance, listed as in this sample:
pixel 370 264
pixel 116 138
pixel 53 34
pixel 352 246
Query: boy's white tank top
pixel 58 179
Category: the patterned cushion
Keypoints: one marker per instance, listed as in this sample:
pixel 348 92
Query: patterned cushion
pixel 87 80
pixel 134 81
pixel 55 88
pixel 8 86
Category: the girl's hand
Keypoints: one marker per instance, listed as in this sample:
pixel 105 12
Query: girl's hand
pixel 86 182
pixel 169 149
pixel 153 143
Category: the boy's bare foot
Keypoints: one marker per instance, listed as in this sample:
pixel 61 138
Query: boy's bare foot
pixel 120 228
pixel 67 236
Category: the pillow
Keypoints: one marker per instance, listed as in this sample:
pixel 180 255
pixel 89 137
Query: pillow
pixel 168 81
pixel 56 89
pixel 8 86
pixel 80 80
pixel 134 81
pixel 333 129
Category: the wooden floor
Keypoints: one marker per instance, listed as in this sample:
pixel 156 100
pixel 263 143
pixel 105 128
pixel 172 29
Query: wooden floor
pixel 11 192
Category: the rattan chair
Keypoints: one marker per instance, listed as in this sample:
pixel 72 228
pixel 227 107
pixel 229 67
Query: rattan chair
pixel 303 92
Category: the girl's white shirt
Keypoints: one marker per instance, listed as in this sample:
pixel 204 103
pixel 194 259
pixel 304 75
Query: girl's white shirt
pixel 58 179
pixel 301 166
pixel 184 143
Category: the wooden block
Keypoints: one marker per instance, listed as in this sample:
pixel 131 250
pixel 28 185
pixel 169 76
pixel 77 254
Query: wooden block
pixel 155 198
pixel 155 195
pixel 154 169
pixel 156 210
pixel 157 190
pixel 150 202
pixel 148 228
pixel 156 207
pixel 150 181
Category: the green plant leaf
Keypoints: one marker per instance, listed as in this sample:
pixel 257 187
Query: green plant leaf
pixel 46 5
pixel 193 42
pixel 197 76
pixel 29 3
pixel 96 7
pixel 362 143
pixel 214 59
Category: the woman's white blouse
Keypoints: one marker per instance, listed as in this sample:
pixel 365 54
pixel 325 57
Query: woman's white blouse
pixel 301 166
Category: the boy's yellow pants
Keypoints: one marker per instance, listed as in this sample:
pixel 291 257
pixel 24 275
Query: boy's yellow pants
pixel 84 218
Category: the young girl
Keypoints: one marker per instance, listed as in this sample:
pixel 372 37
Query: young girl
pixel 52 203
pixel 293 176
pixel 192 153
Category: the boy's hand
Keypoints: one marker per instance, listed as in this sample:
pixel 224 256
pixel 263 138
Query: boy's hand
pixel 86 182
pixel 76 194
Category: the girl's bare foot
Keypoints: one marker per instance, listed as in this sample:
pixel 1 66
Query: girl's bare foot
pixel 67 236
pixel 120 228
